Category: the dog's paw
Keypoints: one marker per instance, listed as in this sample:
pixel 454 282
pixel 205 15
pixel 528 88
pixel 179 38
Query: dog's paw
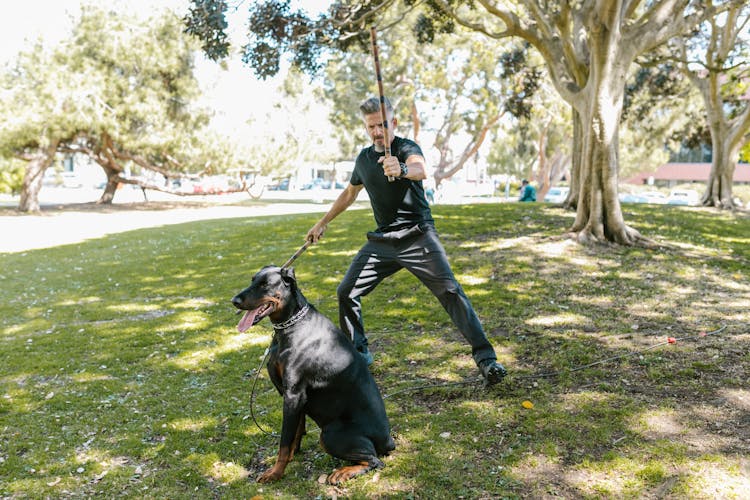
pixel 270 476
pixel 345 473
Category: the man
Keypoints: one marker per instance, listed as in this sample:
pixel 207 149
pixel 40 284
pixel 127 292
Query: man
pixel 528 192
pixel 405 238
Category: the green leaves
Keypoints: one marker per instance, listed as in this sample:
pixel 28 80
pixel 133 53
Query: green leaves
pixel 121 90
pixel 207 21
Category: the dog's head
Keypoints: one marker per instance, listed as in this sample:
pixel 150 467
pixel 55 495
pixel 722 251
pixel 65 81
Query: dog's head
pixel 268 294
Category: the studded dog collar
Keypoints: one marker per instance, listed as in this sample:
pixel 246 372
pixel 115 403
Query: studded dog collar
pixel 293 320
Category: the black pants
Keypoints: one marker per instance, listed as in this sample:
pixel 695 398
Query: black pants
pixel 419 250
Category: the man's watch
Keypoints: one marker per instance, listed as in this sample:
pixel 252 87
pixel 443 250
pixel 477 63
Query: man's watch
pixel 404 170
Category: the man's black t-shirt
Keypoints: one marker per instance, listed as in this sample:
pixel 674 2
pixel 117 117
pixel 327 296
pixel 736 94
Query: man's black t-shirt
pixel 398 204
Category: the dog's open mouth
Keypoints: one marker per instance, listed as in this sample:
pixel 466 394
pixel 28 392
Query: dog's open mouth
pixel 253 316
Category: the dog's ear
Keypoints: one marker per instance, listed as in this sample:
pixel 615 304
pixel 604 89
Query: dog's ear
pixel 287 274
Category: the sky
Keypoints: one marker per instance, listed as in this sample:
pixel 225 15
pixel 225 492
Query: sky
pixel 234 94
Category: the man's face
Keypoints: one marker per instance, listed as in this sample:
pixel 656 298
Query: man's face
pixel 374 126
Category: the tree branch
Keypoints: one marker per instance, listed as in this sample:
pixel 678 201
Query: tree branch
pixel 566 67
pixel 740 126
pixel 474 26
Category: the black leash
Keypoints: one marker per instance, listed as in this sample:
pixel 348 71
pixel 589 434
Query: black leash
pixel 252 395
pixel 296 254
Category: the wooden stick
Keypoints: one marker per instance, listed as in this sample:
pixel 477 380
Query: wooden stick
pixel 383 114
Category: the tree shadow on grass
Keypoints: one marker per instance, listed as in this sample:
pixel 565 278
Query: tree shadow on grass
pixel 132 371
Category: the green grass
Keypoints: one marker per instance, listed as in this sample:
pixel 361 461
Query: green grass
pixel 121 372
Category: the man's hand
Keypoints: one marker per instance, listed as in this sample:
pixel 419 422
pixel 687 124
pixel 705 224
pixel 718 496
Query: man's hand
pixel 314 234
pixel 391 166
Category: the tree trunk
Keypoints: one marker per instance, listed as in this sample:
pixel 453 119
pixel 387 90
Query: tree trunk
pixel 719 186
pixel 553 170
pixel 108 162
pixel 543 166
pixel 726 141
pixel 113 180
pixel 445 168
pixel 599 215
pixel 32 179
pixel 576 162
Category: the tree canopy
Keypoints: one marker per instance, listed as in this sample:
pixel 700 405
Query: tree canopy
pixel 588 48
pixel 450 95
pixel 119 90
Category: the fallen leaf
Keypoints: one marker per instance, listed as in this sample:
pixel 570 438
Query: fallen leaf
pixel 323 478
pixel 527 404
pixel 55 482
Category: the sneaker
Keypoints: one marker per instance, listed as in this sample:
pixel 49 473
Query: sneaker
pixel 492 371
pixel 365 353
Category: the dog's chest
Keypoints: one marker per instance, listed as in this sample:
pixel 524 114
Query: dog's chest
pixel 314 362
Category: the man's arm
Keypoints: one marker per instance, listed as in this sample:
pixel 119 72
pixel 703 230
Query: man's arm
pixel 344 201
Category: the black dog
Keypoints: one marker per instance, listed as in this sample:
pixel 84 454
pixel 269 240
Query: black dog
pixel 317 370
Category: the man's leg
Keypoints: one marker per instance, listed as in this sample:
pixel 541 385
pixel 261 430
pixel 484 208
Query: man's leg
pixel 372 264
pixel 427 260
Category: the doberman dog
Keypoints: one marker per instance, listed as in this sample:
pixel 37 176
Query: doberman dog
pixel 317 370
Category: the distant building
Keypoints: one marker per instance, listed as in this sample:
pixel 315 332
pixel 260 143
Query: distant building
pixel 672 174
pixel 74 171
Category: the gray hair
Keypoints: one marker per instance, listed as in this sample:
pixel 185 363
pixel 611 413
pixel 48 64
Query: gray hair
pixel 372 105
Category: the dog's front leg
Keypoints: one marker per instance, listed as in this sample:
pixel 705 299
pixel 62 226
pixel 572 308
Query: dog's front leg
pixel 293 418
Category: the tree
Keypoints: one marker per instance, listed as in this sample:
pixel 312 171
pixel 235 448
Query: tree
pixel 11 175
pixel 32 106
pixel 588 47
pixel 715 60
pixel 536 145
pixel 495 87
pixel 654 112
pixel 118 90
pixel 455 89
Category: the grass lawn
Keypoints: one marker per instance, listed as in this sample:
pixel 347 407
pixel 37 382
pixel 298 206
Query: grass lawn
pixel 122 374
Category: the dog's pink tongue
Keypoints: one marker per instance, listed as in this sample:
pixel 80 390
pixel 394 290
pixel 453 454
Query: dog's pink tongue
pixel 247 320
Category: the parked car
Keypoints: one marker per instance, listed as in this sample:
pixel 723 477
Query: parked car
pixel 212 184
pixel 683 197
pixel 282 185
pixel 557 194
pixel 317 183
pixel 632 198
pixel 655 197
